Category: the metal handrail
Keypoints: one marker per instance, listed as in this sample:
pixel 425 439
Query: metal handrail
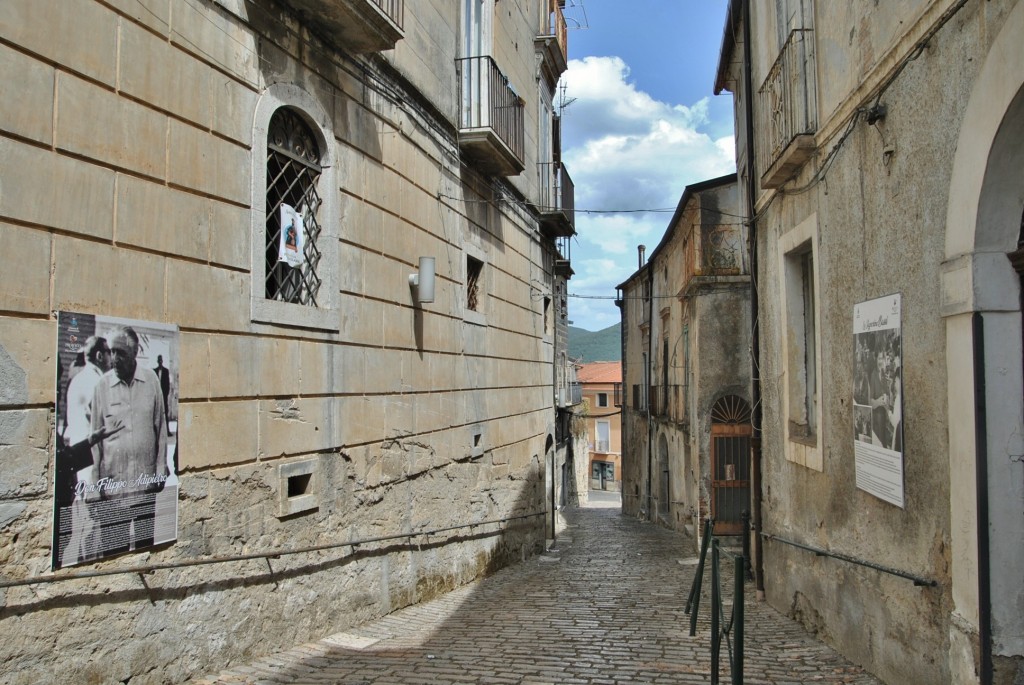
pixel 720 630
pixel 918 580
pixel 269 554
pixel 735 623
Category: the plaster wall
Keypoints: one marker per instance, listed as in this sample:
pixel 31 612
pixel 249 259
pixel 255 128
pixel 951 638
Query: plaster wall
pixel 879 210
pixel 701 331
pixel 127 191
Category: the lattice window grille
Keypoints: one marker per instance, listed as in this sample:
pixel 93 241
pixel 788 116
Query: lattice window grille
pixel 293 168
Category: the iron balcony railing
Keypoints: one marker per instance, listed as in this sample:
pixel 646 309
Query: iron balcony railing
pixel 786 99
pixel 668 401
pixel 557 192
pixel 489 102
pixel 394 9
pixel 575 394
pixel 557 28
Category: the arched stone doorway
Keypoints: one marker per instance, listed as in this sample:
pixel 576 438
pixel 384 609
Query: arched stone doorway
pixel 982 310
pixel 730 464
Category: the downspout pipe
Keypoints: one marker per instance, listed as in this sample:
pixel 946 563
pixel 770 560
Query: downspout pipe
pixel 981 495
pixel 755 330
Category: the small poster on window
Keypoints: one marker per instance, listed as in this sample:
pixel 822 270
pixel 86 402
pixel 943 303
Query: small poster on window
pixel 878 398
pixel 293 236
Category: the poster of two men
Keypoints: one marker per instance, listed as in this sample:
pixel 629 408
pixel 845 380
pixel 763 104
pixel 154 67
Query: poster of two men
pixel 115 484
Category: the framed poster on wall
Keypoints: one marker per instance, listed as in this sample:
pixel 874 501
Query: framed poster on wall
pixel 878 398
pixel 115 461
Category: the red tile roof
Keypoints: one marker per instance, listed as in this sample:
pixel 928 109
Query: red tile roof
pixel 600 372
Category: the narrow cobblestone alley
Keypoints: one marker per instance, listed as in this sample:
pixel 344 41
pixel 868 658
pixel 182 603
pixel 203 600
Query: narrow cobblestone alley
pixel 607 607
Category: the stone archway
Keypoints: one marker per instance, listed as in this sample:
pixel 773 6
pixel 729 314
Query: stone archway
pixel 982 310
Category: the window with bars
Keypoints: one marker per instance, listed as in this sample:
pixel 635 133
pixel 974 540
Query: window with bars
pixel 293 169
pixel 474 271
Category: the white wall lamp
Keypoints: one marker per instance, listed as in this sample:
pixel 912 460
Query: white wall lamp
pixel 423 281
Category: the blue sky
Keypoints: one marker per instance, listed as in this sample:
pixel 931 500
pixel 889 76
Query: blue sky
pixel 643 123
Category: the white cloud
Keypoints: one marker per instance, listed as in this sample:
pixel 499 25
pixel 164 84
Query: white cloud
pixel 627 151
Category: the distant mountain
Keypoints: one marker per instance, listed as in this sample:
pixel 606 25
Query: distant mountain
pixel 596 346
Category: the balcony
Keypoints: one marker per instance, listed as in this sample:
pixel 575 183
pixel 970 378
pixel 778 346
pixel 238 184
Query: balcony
pixel 570 394
pixel 786 112
pixel 557 201
pixel 668 402
pixel 491 122
pixel 711 251
pixel 358 25
pixel 563 261
pixel 553 45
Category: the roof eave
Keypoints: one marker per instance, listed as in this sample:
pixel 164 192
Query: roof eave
pixel 732 20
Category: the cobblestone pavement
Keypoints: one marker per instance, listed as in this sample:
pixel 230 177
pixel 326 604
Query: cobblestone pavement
pixel 606 606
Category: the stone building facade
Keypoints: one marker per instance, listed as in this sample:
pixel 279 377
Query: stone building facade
pixel 877 149
pixel 315 405
pixel 601 386
pixel 686 371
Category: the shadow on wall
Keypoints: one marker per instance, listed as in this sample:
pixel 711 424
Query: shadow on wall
pixel 507 613
pixel 244 601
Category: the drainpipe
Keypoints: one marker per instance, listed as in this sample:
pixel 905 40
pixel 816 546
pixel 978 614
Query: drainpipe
pixel 623 423
pixel 755 332
pixel 650 384
pixel 981 495
pixel 648 373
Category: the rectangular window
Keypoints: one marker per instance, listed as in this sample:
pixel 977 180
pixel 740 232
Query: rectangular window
pixel 799 344
pixel 810 398
pixel 474 271
pixel 602 399
pixel 801 347
pixel 603 437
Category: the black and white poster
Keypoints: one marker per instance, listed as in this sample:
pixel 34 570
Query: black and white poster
pixel 116 483
pixel 878 398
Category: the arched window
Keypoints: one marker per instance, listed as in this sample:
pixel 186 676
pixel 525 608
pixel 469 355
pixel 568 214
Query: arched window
pixel 295 212
pixel 293 202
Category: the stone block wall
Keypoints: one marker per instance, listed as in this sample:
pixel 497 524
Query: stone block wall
pixel 128 190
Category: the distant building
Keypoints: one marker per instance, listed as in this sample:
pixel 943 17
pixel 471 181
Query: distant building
pixel 686 375
pixel 879 149
pixel 602 394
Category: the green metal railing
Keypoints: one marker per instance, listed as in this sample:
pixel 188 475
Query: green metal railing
pixel 723 626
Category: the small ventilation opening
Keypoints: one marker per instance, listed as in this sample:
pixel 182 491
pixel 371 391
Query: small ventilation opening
pixel 300 484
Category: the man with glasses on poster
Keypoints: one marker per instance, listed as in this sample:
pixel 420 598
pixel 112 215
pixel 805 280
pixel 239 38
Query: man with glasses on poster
pixel 130 464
